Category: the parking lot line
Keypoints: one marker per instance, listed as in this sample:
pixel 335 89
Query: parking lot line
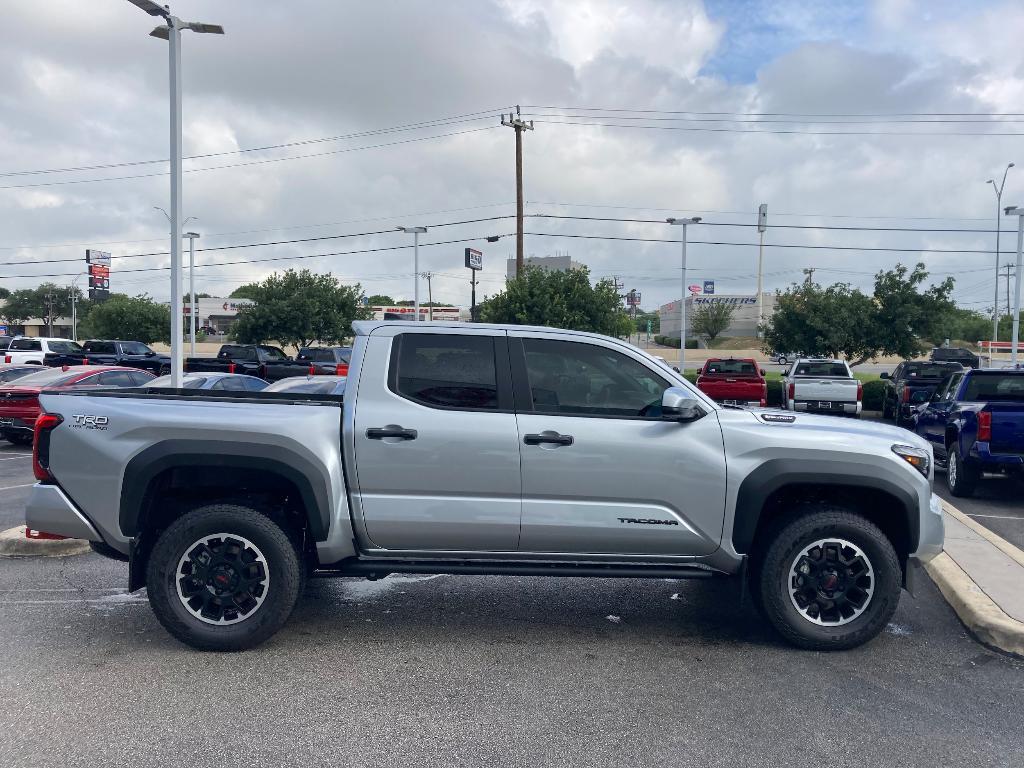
pixel 17 456
pixel 998 517
pixel 11 487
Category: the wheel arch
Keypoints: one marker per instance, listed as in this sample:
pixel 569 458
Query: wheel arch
pixel 777 486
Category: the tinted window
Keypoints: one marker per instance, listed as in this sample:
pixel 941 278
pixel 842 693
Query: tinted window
pixel 116 379
pixel 585 379
pixel 823 370
pixel 88 381
pixel 253 384
pixel 231 383
pixel 951 386
pixel 237 353
pixel 988 386
pixel 27 345
pixel 100 347
pixel 10 374
pixel 447 371
pixel 135 348
pixel 928 371
pixel 141 378
pixel 316 355
pixel 735 367
pixel 272 353
pixel 5 341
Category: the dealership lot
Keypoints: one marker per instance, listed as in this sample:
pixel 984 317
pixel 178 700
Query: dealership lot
pixel 486 671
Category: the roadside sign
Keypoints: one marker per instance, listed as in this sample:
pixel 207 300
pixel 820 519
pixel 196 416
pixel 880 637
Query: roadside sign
pixel 709 286
pixel 633 298
pixel 693 289
pixel 99 274
pixel 3 330
pixel 474 259
pixel 649 325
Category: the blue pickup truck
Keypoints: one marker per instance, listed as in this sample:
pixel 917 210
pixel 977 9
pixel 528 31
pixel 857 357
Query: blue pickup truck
pixel 975 423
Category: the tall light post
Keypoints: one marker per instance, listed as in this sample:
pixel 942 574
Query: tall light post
pixel 172 34
pixel 74 305
pixel 192 290
pixel 682 297
pixel 415 232
pixel 1019 213
pixel 999 224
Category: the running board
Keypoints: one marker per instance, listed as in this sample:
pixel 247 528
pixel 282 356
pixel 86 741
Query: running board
pixel 378 569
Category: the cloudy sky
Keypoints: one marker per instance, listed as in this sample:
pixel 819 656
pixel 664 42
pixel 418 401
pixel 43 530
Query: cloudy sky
pixel 844 120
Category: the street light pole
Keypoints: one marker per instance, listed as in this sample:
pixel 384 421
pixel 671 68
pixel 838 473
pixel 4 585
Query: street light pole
pixel 416 232
pixel 1019 213
pixel 999 225
pixel 172 34
pixel 192 290
pixel 682 298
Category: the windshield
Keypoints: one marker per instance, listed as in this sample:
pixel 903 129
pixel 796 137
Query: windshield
pixel 734 367
pixel 320 385
pixel 273 353
pixel 823 370
pixel 188 382
pixel 51 377
pixel 1001 387
pixel 135 348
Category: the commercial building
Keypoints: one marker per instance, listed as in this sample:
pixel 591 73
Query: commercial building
pixel 558 263
pixel 744 318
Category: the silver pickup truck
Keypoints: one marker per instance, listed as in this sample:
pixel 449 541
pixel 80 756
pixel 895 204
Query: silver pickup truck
pixel 481 449
pixel 822 386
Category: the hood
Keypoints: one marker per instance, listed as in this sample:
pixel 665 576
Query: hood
pixel 841 427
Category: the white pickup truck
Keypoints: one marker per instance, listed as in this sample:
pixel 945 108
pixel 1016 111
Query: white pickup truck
pixel 822 386
pixel 32 350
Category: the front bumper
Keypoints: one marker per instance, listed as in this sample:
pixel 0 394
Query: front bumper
pixel 49 510
pixel 932 532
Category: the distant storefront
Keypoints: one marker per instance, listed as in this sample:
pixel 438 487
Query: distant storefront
pixel 744 318
pixel 216 314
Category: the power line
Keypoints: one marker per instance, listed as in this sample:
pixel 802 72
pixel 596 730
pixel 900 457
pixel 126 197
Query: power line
pixel 777 131
pixel 256 245
pixel 776 114
pixel 252 162
pixel 452 120
pixel 789 121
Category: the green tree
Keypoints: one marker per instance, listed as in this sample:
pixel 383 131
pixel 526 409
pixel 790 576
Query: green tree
pixel 558 300
pixel 299 308
pixel 4 293
pixel 138 318
pixel 641 320
pixel 711 318
pixel 32 303
pixel 380 300
pixel 246 291
pixel 899 318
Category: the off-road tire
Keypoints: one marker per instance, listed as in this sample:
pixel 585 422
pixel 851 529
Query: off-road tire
pixel 961 479
pixel 772 574
pixel 284 566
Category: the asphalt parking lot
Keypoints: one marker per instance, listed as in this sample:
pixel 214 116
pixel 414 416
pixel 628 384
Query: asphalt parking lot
pixel 483 671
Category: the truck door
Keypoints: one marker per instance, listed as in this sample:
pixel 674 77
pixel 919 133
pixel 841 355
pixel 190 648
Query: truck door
pixel 602 473
pixel 435 442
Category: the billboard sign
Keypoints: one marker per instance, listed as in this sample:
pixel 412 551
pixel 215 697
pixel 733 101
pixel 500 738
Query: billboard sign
pixel 709 287
pixel 474 259
pixel 693 289
pixel 633 298
pixel 98 267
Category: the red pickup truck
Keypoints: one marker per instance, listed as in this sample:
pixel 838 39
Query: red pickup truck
pixel 734 382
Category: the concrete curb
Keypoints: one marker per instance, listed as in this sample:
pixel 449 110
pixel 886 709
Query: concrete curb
pixel 979 613
pixel 983 618
pixel 14 544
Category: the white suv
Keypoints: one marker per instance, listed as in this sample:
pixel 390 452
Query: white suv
pixel 32 349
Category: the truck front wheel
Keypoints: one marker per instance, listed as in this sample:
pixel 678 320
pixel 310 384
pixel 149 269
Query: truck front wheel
pixel 829 580
pixel 223 578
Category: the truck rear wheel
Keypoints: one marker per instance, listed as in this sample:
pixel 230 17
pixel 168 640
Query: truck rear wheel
pixel 961 479
pixel 829 580
pixel 223 578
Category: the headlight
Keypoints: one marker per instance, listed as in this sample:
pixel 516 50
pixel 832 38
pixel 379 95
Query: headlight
pixel 918 458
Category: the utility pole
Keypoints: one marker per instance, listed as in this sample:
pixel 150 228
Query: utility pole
pixel 192 290
pixel 519 126
pixel 998 189
pixel 430 295
pixel 1008 268
pixel 684 223
pixel 73 298
pixel 50 298
pixel 762 225
pixel 1019 213
pixel 810 275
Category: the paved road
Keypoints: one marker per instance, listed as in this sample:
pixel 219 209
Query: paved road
pixel 15 480
pixel 488 671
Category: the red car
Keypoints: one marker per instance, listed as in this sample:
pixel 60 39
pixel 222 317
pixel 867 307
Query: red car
pixel 733 382
pixel 19 401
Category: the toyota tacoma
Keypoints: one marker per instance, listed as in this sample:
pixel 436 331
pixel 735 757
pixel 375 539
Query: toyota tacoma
pixel 484 449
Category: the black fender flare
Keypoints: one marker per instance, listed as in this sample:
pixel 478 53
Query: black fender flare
pixel 778 473
pixel 312 483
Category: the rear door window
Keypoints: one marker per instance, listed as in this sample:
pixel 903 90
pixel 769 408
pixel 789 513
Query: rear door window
pixel 446 371
pixel 27 345
pixel 100 347
pixel 116 379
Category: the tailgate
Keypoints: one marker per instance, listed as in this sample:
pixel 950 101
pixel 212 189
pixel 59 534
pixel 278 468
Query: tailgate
pixel 831 390
pixel 1007 427
pixel 730 388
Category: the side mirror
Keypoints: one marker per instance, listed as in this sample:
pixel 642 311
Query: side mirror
pixel 763 372
pixel 884 375
pixel 678 405
pixel 676 369
pixel 151 353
